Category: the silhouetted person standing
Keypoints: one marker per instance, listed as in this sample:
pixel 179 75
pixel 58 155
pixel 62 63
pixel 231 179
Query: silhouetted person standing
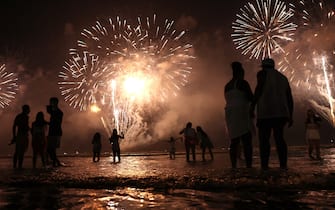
pixel 312 134
pixel 38 132
pixel 55 130
pixel 190 140
pixel 238 97
pixel 21 135
pixel 114 140
pixel 274 102
pixel 172 148
pixel 96 141
pixel 205 143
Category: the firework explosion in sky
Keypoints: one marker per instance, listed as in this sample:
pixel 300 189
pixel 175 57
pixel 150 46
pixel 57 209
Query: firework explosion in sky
pixel 309 61
pixel 8 86
pixel 126 70
pixel 263 27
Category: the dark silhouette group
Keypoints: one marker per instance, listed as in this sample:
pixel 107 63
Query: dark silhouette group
pixel 192 137
pixel 272 100
pixel 43 144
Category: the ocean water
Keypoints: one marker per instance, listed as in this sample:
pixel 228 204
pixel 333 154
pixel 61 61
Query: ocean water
pixel 154 181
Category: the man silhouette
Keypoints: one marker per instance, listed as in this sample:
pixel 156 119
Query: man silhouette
pixel 274 102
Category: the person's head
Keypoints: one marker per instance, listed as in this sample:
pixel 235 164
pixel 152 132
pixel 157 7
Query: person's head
pixel 53 101
pixel 40 117
pixel 97 135
pixel 26 109
pixel 114 131
pixel 238 71
pixel 199 128
pixel 268 63
pixel 189 125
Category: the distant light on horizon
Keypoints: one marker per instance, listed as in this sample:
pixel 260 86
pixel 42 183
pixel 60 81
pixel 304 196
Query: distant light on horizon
pixel 95 109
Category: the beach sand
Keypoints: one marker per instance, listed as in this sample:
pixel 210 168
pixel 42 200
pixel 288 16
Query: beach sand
pixel 153 180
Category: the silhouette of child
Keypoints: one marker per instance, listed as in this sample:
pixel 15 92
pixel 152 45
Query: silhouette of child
pixel 96 141
pixel 172 149
pixel 313 133
pixel 114 140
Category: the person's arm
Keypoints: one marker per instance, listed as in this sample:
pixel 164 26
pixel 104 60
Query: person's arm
pixel 14 127
pixel 245 87
pixel 261 77
pixel 290 104
pixel 182 131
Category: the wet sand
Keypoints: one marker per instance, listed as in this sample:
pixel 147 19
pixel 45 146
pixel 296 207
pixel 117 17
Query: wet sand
pixel 178 178
pixel 158 171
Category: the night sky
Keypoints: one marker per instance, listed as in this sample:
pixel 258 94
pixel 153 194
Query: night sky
pixel 36 36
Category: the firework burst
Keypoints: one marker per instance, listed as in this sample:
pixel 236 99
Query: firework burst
pixel 158 51
pixel 130 66
pixel 309 63
pixel 8 86
pixel 262 27
pixel 82 80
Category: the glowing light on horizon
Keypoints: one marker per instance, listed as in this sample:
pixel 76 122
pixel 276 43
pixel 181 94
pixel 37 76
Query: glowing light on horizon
pixel 95 109
pixel 8 86
pixel 262 27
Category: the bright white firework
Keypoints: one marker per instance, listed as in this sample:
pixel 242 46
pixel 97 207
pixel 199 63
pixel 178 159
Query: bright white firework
pixel 157 50
pixel 309 61
pixel 149 62
pixel 82 81
pixel 8 86
pixel 262 27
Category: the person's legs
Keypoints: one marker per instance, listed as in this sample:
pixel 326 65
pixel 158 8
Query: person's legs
pixel 278 132
pixel 233 151
pixel 15 156
pixel 53 157
pixel 20 156
pixel 57 146
pixel 94 156
pixel 52 145
pixel 114 155
pixel 42 157
pixel 247 148
pixel 203 153
pixel 193 151
pixel 211 153
pixel 310 148
pixel 187 148
pixel 34 158
pixel 264 133
pixel 119 155
pixel 317 148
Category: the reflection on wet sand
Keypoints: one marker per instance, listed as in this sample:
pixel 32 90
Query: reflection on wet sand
pixel 158 182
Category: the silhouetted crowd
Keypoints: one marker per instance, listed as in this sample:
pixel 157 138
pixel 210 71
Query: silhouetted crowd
pixel 269 108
